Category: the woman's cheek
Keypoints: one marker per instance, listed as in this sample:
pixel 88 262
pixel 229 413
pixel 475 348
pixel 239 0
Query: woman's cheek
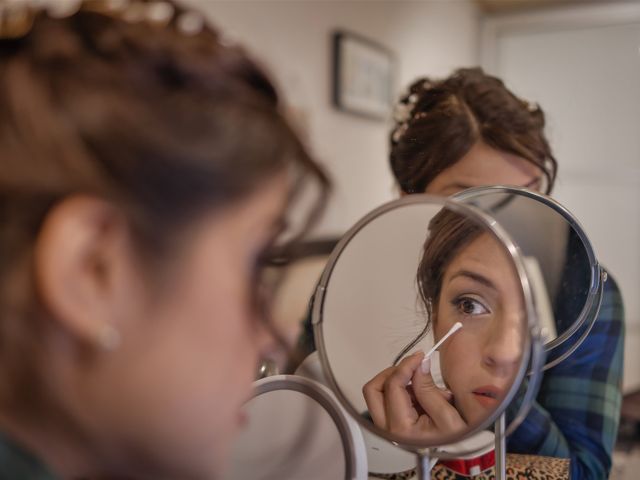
pixel 454 357
pixel 447 365
pixel 457 344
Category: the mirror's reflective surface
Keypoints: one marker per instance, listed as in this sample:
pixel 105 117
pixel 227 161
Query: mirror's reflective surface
pixel 402 284
pixel 560 263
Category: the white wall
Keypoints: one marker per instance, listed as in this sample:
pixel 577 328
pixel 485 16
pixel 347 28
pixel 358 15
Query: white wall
pixel 293 39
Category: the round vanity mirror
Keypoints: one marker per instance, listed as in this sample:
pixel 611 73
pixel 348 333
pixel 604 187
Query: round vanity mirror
pixel 425 325
pixel 297 429
pixel 564 274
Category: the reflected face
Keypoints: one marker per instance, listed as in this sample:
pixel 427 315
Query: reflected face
pixel 479 363
pixel 483 165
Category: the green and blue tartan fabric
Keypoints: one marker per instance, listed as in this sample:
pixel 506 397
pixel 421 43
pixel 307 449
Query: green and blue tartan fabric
pixel 577 410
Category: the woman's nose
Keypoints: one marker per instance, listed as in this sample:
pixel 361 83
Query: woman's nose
pixel 503 347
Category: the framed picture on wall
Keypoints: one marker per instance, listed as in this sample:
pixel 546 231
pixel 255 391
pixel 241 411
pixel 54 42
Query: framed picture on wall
pixel 363 76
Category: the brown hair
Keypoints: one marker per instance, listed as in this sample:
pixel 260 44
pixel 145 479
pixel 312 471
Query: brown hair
pixel 439 121
pixel 449 233
pixel 161 123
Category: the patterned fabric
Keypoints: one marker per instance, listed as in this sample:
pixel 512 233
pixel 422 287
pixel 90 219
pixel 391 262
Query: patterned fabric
pixel 519 467
pixel 577 410
pixel 18 464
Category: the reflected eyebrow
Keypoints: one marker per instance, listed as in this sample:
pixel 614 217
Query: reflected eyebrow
pixel 476 277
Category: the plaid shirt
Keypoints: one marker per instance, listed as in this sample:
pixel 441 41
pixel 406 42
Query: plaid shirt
pixel 577 410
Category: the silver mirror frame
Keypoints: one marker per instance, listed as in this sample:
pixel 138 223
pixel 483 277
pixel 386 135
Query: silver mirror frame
pixel 533 354
pixel 311 389
pixel 591 308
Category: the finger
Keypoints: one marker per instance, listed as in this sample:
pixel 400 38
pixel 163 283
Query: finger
pixel 447 394
pixel 430 383
pixel 435 402
pixel 398 406
pixel 373 392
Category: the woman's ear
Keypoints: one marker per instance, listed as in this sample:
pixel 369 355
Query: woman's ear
pixel 84 271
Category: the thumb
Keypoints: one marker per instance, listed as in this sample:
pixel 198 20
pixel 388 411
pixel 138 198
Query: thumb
pixel 423 380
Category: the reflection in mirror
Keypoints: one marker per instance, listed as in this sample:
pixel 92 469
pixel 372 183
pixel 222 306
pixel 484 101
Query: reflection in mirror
pixel 465 279
pixel 559 259
pixel 396 287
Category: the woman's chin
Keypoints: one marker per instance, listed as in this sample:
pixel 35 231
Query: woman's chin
pixel 475 413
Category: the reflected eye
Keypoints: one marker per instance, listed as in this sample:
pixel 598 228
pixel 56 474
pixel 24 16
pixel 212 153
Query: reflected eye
pixel 469 306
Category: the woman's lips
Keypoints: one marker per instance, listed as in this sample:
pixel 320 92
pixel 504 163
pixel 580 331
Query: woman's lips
pixel 488 395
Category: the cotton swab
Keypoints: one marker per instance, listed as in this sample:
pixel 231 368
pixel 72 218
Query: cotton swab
pixel 457 326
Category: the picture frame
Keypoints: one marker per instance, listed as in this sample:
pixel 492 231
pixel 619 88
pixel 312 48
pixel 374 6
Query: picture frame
pixel 363 76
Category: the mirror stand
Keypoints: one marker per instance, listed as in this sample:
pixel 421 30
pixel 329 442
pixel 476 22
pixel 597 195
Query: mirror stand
pixel 426 459
pixel 424 465
pixel 500 449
